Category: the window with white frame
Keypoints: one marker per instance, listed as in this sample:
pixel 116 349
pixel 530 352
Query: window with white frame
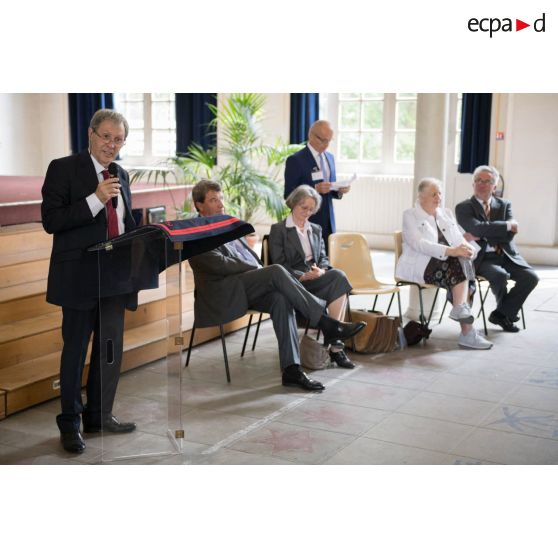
pixel 374 132
pixel 152 121
pixel 458 113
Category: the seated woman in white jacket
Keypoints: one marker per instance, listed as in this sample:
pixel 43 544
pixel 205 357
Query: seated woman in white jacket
pixel 436 252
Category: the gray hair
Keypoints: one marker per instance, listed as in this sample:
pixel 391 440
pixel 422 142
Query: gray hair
pixel 299 194
pixel 201 189
pixel 317 124
pixel 487 168
pixel 107 114
pixel 428 181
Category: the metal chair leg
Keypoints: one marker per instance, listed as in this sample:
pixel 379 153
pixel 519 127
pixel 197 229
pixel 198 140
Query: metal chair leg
pixel 225 352
pixel 350 320
pixel 482 298
pixel 422 317
pixel 374 305
pixel 523 317
pixel 246 335
pixel 481 311
pixel 190 344
pixel 389 305
pixel 432 307
pixel 399 304
pixel 257 331
pixel 443 311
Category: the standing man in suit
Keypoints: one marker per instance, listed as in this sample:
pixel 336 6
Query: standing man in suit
pixel 230 279
pixel 315 166
pixel 77 209
pixel 488 220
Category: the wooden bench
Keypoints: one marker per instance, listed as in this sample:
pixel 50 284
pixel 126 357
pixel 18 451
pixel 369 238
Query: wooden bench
pixel 30 328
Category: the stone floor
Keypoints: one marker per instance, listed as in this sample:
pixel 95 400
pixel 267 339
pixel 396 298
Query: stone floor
pixel 429 404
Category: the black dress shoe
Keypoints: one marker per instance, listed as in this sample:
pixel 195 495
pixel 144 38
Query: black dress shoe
pixel 503 321
pixel 72 442
pixel 335 331
pixel 110 424
pixel 300 379
pixel 341 359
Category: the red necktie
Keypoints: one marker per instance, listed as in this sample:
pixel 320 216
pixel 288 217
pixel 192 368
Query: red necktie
pixel 112 218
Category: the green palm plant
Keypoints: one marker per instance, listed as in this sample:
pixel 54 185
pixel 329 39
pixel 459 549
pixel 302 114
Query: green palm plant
pixel 247 169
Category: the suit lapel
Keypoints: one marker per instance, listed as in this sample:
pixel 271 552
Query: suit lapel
pixel 479 209
pixel 87 174
pixel 294 240
pixel 496 209
pixel 315 241
pixel 310 164
pixel 257 258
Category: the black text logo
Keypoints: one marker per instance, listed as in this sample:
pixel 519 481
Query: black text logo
pixel 494 25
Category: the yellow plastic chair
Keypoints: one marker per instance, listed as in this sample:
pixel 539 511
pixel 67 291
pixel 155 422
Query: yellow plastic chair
pixel 398 238
pixel 350 253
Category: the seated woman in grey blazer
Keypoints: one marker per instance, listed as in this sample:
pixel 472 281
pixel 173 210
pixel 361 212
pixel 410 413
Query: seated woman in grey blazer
pixel 436 252
pixel 298 246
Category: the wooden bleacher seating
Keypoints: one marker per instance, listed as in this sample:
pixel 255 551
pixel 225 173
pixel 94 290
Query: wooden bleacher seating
pixel 30 336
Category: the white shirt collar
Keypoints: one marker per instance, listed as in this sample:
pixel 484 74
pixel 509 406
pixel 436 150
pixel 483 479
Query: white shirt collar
pixel 289 223
pixel 316 154
pixel 482 202
pixel 98 167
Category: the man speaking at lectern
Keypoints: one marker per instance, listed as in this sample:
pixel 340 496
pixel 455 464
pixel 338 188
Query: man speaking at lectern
pixel 87 200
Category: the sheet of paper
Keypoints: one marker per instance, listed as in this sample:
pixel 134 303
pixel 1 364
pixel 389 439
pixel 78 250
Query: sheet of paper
pixel 343 183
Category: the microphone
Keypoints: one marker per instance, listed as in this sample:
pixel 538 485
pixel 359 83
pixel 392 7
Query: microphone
pixel 113 171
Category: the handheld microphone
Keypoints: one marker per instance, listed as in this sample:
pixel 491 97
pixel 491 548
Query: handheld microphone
pixel 113 171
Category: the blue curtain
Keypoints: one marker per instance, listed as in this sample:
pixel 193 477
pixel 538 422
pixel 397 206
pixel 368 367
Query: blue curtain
pixel 475 131
pixel 305 110
pixel 82 107
pixel 192 119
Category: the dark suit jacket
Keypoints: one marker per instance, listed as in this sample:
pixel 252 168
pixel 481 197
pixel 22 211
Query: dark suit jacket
pixel 286 249
pixel 73 273
pixel 298 170
pixel 220 296
pixel 471 216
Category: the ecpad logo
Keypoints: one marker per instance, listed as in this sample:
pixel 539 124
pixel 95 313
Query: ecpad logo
pixel 493 25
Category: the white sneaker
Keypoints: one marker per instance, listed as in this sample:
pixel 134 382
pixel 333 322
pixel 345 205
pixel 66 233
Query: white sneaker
pixel 462 313
pixel 474 340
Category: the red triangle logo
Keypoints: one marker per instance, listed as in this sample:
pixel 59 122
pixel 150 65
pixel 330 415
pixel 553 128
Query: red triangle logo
pixel 519 25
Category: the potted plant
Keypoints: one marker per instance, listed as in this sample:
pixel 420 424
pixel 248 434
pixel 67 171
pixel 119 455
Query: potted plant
pixel 247 168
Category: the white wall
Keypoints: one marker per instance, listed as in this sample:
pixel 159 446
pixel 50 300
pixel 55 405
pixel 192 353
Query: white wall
pixel 34 129
pixel 528 161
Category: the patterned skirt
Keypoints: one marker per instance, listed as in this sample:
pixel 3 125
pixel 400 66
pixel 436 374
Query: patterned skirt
pixel 448 273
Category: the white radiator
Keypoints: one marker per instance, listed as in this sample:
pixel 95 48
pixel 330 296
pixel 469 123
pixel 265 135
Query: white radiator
pixel 374 207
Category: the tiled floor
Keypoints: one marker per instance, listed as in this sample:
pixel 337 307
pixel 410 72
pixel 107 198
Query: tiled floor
pixel 432 404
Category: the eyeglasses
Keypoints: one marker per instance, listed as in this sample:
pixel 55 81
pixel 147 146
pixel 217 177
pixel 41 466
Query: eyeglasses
pixel 484 181
pixel 325 141
pixel 107 138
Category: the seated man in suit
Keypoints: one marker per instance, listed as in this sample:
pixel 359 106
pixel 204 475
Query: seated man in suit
pixel 315 166
pixel 488 220
pixel 231 279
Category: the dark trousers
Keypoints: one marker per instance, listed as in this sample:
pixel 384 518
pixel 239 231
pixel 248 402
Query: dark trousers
pixel 106 322
pixel 273 290
pixel 498 269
